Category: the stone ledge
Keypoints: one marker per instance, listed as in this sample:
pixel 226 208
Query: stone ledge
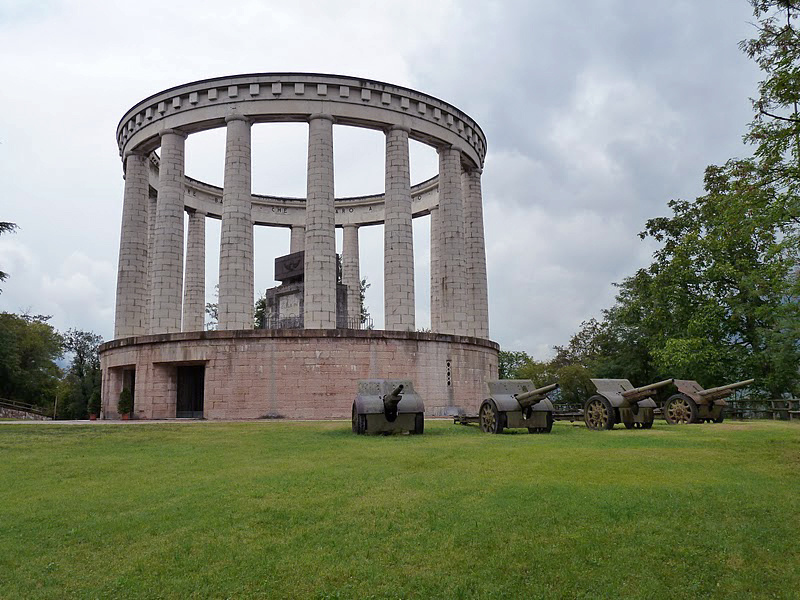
pixel 373 334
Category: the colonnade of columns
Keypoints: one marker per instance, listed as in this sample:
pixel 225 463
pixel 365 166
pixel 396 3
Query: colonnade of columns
pixel 151 266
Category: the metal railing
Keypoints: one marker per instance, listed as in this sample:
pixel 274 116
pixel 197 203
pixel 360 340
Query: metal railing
pixel 271 322
pixel 23 407
pixel 776 409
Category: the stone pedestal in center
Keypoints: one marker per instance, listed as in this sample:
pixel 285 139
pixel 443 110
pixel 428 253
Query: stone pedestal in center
pixel 285 302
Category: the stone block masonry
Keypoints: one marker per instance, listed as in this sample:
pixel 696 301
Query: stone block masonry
pixel 475 251
pixel 132 273
pixel 194 289
pixel 320 247
pixel 236 241
pixel 296 374
pixel 398 236
pixel 351 276
pixel 452 269
pixel 167 263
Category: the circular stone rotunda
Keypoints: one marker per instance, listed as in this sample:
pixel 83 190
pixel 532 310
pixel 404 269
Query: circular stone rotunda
pixel 305 359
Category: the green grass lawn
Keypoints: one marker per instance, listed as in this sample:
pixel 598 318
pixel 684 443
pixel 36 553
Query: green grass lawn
pixel 309 510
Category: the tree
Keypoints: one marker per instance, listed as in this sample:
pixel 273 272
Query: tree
pixel 725 283
pixel 29 347
pixel 510 361
pixel 362 290
pixel 775 129
pixel 5 227
pixel 720 300
pixel 573 379
pixel 260 312
pixel 82 379
pixel 212 310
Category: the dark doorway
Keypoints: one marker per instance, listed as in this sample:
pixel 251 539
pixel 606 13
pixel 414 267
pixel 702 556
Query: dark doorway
pixel 129 381
pixel 191 382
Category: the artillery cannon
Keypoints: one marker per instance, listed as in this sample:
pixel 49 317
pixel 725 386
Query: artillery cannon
pixel 387 406
pixel 516 403
pixel 617 401
pixel 693 404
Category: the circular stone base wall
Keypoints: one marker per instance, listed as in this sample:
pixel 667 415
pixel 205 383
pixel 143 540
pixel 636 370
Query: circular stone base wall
pixel 295 374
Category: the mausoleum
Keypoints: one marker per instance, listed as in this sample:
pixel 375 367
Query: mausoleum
pixel 306 363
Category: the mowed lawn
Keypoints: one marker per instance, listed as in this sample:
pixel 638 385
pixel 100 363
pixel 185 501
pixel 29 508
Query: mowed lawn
pixel 309 510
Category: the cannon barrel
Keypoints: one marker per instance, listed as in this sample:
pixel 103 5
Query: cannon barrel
pixel 390 401
pixel 725 388
pixel 527 398
pixel 645 388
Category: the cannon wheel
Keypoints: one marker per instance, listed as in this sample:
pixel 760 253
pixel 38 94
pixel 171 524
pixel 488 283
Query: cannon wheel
pixel 359 422
pixel 491 419
pixel 721 416
pixel 598 414
pixel 547 428
pixel 680 410
pixel 419 424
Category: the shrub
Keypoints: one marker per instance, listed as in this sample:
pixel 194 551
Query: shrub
pixel 94 403
pixel 125 404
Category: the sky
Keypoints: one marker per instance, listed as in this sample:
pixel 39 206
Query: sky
pixel 596 114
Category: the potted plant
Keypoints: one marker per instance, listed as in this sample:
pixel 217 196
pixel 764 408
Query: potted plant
pixel 94 405
pixel 125 404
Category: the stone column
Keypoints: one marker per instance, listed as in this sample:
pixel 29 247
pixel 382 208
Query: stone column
pixel 319 309
pixel 452 263
pixel 236 241
pixel 194 289
pixel 167 282
pixel 436 280
pixel 131 317
pixel 298 240
pixel 151 241
pixel 351 276
pixel 398 237
pixel 475 251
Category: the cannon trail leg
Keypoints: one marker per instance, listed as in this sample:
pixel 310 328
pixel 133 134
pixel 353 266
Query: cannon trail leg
pixel 547 428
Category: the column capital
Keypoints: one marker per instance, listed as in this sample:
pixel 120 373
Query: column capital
pixel 473 170
pixel 399 128
pixel 447 147
pixel 237 117
pixel 177 132
pixel 315 116
pixel 137 153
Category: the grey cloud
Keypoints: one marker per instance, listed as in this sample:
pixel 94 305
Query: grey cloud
pixel 596 114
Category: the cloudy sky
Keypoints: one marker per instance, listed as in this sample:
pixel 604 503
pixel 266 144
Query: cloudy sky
pixel 596 112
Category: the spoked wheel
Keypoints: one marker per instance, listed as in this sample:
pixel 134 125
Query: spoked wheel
pixel 359 422
pixel 598 414
pixel 547 428
pixel 490 418
pixel 680 410
pixel 419 424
